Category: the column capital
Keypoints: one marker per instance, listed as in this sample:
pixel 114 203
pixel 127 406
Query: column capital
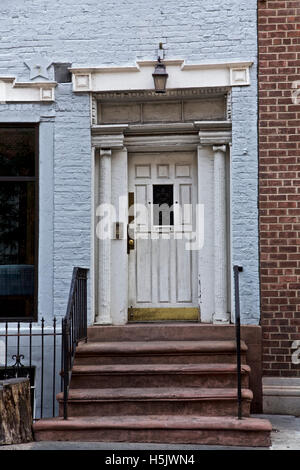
pixel 105 152
pixel 219 148
pixel 216 135
pixel 106 136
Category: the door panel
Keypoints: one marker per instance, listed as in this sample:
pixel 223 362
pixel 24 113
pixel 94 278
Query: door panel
pixel 162 271
pixel 163 263
pixel 183 273
pixel 143 271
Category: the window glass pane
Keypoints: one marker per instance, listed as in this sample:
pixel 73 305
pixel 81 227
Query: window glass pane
pixel 17 248
pixel 163 204
pixel 17 151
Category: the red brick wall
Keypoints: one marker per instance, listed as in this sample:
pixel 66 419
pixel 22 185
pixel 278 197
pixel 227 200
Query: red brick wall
pixel 279 180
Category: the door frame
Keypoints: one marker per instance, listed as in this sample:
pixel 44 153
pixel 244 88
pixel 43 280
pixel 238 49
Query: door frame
pixel 210 140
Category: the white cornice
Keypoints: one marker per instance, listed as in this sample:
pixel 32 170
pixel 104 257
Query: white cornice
pixel 162 128
pixel 13 91
pixel 172 136
pixel 176 62
pixel 181 75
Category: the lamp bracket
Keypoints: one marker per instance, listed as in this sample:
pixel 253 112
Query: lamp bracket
pixel 160 52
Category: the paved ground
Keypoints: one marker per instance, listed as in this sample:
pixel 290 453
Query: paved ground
pixel 285 436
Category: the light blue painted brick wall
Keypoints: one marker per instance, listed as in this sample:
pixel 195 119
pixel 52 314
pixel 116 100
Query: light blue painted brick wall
pixel 94 32
pixel 244 210
pixel 72 195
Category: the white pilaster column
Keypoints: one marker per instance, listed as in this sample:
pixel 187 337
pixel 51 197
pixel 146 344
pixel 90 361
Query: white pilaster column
pixel 104 297
pixel 220 252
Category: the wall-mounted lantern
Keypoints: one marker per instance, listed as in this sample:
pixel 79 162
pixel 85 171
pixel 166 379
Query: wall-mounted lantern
pixel 160 75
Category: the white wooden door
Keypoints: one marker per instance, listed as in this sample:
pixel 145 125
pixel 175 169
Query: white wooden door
pixel 162 267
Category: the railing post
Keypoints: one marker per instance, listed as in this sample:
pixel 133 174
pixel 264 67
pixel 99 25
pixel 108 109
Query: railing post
pixel 6 349
pixel 65 354
pixel 236 271
pixel 84 303
pixel 54 367
pixel 42 368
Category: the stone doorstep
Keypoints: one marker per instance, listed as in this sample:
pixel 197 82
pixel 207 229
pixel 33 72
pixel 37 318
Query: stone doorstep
pixel 158 375
pixel 155 394
pixel 157 400
pixel 176 352
pixel 156 422
pixel 212 430
pixel 158 372
pixel 177 331
pixel 156 347
pixel 153 369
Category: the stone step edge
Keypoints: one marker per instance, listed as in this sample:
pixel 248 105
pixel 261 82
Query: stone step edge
pixel 158 347
pixel 154 422
pixel 156 369
pixel 168 330
pixel 153 394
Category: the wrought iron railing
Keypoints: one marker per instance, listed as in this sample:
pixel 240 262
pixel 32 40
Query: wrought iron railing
pixel 44 352
pixel 23 349
pixel 74 328
pixel 236 271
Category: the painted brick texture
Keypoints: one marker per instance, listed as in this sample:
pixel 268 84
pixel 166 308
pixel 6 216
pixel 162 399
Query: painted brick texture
pixel 279 170
pixel 95 33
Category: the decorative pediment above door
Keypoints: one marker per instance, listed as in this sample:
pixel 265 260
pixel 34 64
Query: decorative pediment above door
pixel 13 91
pixel 180 111
pixel 181 75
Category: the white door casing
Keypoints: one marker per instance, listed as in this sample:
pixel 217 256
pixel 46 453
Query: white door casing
pixel 209 283
pixel 162 269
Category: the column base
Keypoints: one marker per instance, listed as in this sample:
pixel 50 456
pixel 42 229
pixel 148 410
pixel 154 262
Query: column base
pixel 105 320
pixel 221 318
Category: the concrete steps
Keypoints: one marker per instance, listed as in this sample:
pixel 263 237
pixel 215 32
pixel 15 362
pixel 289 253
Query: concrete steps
pixel 158 375
pixel 167 383
pixel 212 430
pixel 156 400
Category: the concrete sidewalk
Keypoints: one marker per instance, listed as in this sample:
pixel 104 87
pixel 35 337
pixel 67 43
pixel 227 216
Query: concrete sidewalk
pixel 285 436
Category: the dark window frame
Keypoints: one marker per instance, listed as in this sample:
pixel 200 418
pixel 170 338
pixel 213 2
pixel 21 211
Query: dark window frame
pixel 171 206
pixel 35 178
pixel 62 74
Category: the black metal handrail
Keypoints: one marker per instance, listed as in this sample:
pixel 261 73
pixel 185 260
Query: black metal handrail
pixel 236 271
pixel 74 328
